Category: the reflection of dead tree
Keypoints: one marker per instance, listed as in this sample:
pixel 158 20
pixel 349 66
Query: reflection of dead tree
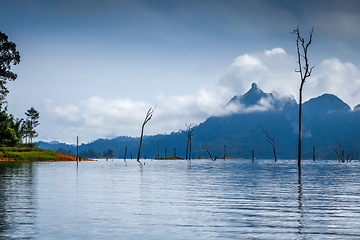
pixel 270 140
pixel 305 72
pixel 341 153
pixel 189 132
pixel 148 116
pixel 211 157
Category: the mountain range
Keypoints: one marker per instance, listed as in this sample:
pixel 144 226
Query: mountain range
pixel 326 121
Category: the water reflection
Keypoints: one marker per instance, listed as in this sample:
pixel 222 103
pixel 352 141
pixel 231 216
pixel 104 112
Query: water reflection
pixel 201 199
pixel 300 205
pixel 17 199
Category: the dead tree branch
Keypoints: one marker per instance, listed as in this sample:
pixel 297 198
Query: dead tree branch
pixel 211 157
pixel 270 140
pixel 341 153
pixel 148 117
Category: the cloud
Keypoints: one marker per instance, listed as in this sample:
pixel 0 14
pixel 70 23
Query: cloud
pixel 98 117
pixel 336 77
pixel 274 51
pixel 94 118
pixel 273 71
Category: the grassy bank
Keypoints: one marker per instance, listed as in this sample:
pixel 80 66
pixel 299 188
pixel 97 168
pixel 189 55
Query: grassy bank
pixel 33 154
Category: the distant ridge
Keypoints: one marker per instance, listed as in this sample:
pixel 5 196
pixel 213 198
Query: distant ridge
pixel 326 103
pixel 326 120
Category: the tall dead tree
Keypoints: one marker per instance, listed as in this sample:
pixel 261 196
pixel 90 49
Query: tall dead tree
pixel 305 72
pixel 270 140
pixel 189 132
pixel 148 116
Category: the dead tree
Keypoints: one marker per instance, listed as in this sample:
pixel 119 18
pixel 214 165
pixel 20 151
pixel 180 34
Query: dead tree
pixel 341 153
pixel 252 155
pixel 270 140
pixel 305 72
pixel 125 153
pixel 211 157
pixel 148 116
pixel 189 132
pixel 314 153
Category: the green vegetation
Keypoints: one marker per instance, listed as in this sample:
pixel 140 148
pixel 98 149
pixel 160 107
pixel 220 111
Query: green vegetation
pixel 13 130
pixel 8 56
pixel 26 152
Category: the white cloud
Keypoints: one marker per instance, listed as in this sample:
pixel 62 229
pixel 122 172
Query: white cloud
pixel 248 63
pixel 98 117
pixel 274 51
pixel 273 71
pixel 336 77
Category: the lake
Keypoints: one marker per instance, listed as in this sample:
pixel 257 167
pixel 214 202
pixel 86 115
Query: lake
pixel 201 199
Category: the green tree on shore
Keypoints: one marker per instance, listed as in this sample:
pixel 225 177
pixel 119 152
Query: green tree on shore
pixel 8 56
pixel 31 123
pixel 10 128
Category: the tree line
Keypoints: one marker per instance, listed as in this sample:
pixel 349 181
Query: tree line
pixel 13 130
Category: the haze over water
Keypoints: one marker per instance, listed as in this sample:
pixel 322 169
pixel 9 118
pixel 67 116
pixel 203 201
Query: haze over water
pixel 201 199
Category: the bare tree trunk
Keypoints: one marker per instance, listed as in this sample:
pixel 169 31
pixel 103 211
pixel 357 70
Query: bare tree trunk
pixel 189 132
pixel 187 149
pixel 299 140
pixel 77 148
pixel 274 154
pixel 304 72
pixel 125 153
pixel 148 116
pixel 190 149
pixel 141 138
pixel 270 140
pixel 314 153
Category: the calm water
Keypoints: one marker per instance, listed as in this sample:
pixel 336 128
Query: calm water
pixel 232 199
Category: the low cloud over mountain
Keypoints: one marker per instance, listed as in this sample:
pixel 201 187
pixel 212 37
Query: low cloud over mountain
pixel 326 120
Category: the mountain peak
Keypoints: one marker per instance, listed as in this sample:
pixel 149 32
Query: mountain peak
pixel 255 94
pixel 251 97
pixel 327 103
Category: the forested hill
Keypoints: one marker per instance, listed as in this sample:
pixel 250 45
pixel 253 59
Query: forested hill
pixel 326 121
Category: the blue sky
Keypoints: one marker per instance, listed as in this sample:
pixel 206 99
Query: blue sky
pixel 93 68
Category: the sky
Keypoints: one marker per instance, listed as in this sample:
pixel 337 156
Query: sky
pixel 92 68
